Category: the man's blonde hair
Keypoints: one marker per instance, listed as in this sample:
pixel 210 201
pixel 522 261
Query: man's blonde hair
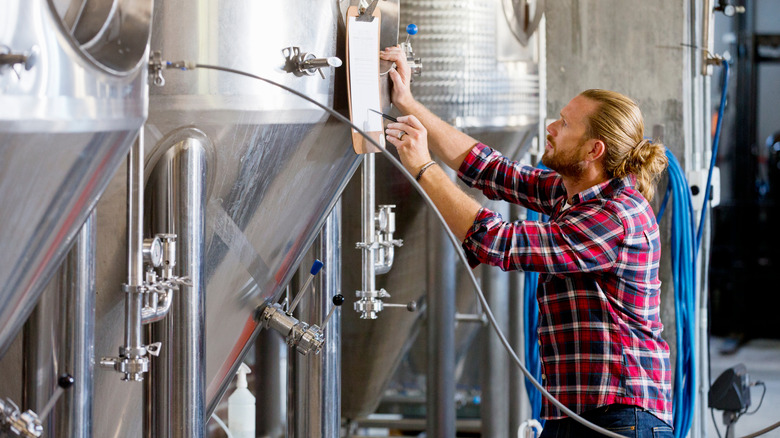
pixel 618 123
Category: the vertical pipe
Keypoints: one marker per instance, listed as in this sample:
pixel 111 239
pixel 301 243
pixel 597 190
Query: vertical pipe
pixel 367 213
pixel 317 378
pixel 188 379
pixel 495 392
pixel 178 391
pixel 59 338
pixel 517 405
pixel 77 334
pixel 271 360
pixel 326 368
pixel 135 208
pixel 440 381
pixel 39 358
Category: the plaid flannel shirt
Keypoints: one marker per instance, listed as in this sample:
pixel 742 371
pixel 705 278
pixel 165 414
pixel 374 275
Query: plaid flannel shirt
pixel 599 293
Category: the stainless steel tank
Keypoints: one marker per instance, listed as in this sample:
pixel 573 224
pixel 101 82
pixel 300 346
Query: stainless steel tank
pixel 482 80
pixel 275 165
pixel 68 113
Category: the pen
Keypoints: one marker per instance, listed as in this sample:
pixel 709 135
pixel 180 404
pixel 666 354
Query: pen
pixel 391 118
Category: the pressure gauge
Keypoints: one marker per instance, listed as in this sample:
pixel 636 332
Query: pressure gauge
pixel 153 251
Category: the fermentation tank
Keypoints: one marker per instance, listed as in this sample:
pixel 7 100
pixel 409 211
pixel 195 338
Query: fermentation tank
pixel 70 109
pixel 273 165
pixel 478 77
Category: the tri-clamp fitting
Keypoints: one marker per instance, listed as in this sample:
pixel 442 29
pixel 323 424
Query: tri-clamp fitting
pixel 306 64
pixel 155 297
pixel 304 337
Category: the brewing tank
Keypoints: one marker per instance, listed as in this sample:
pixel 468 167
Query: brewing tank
pixel 275 165
pixel 69 113
pixel 478 77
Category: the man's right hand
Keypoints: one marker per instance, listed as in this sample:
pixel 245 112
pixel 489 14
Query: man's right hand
pixel 401 76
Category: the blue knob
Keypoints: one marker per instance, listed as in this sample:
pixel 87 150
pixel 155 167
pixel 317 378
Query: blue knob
pixel 315 267
pixel 411 29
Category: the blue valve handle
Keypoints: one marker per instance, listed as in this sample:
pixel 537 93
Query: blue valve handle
pixel 315 269
pixel 411 29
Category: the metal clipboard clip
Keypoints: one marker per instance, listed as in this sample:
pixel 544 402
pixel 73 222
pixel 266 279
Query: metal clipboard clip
pixel 366 14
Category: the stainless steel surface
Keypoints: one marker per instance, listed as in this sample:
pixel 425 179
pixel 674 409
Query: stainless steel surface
pixel 317 379
pixel 58 339
pixel 134 346
pixel 495 372
pixel 276 165
pixel 518 400
pixel 440 380
pixel 178 182
pixel 464 81
pixel 73 412
pixel 111 33
pixel 65 126
pixel 271 361
pixel 480 78
pixel 41 344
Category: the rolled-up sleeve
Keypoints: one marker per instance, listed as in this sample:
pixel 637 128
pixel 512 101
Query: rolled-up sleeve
pixel 584 240
pixel 501 178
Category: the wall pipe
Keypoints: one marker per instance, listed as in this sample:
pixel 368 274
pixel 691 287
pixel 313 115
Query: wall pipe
pixel 178 407
pixel 440 381
pixel 317 378
pixel 77 334
pixel 495 372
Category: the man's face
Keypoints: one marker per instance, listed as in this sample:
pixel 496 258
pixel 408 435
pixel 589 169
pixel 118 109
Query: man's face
pixel 565 149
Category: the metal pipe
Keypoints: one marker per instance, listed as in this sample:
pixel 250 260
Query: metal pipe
pixel 495 391
pixel 77 334
pixel 39 353
pixel 516 334
pixel 178 387
pixel 317 381
pixel 271 362
pixel 135 209
pixel 440 381
pixel 708 30
pixel 368 191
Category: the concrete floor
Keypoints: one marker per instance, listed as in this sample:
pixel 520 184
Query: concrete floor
pixel 761 357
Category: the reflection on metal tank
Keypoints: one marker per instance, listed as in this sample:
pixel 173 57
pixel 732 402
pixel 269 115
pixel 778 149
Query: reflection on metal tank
pixel 477 77
pixel 70 110
pixel 275 166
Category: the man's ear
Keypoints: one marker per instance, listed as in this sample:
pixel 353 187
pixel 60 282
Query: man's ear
pixel 597 150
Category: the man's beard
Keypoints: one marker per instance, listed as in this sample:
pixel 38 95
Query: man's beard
pixel 569 165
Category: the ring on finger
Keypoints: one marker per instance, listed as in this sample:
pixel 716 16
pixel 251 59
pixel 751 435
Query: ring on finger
pixel 401 135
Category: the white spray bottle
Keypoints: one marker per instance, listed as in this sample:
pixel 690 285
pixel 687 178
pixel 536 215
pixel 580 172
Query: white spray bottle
pixel 241 407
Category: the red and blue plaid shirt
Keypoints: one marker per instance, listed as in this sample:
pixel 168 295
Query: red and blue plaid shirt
pixel 599 293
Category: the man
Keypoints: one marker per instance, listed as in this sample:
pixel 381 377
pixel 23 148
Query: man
pixel 599 329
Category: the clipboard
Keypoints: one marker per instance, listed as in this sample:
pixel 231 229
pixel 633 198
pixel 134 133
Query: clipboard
pixel 359 143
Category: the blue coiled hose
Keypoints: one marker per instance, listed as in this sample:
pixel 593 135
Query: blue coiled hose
pixel 531 321
pixel 685 249
pixel 684 279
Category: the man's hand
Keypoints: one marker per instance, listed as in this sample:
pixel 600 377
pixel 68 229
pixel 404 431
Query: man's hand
pixel 401 77
pixel 410 138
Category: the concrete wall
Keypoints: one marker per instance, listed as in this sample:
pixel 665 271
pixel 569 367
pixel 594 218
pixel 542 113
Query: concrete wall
pixel 633 47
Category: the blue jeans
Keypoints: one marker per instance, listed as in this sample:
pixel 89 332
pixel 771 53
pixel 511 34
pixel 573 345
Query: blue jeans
pixel 625 420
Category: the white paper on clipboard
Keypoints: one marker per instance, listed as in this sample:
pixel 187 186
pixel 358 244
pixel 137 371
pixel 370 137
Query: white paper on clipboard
pixel 364 74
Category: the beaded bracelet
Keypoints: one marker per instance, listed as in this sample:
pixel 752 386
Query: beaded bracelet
pixel 424 168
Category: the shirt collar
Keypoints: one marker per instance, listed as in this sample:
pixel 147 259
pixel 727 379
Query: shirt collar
pixel 607 189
